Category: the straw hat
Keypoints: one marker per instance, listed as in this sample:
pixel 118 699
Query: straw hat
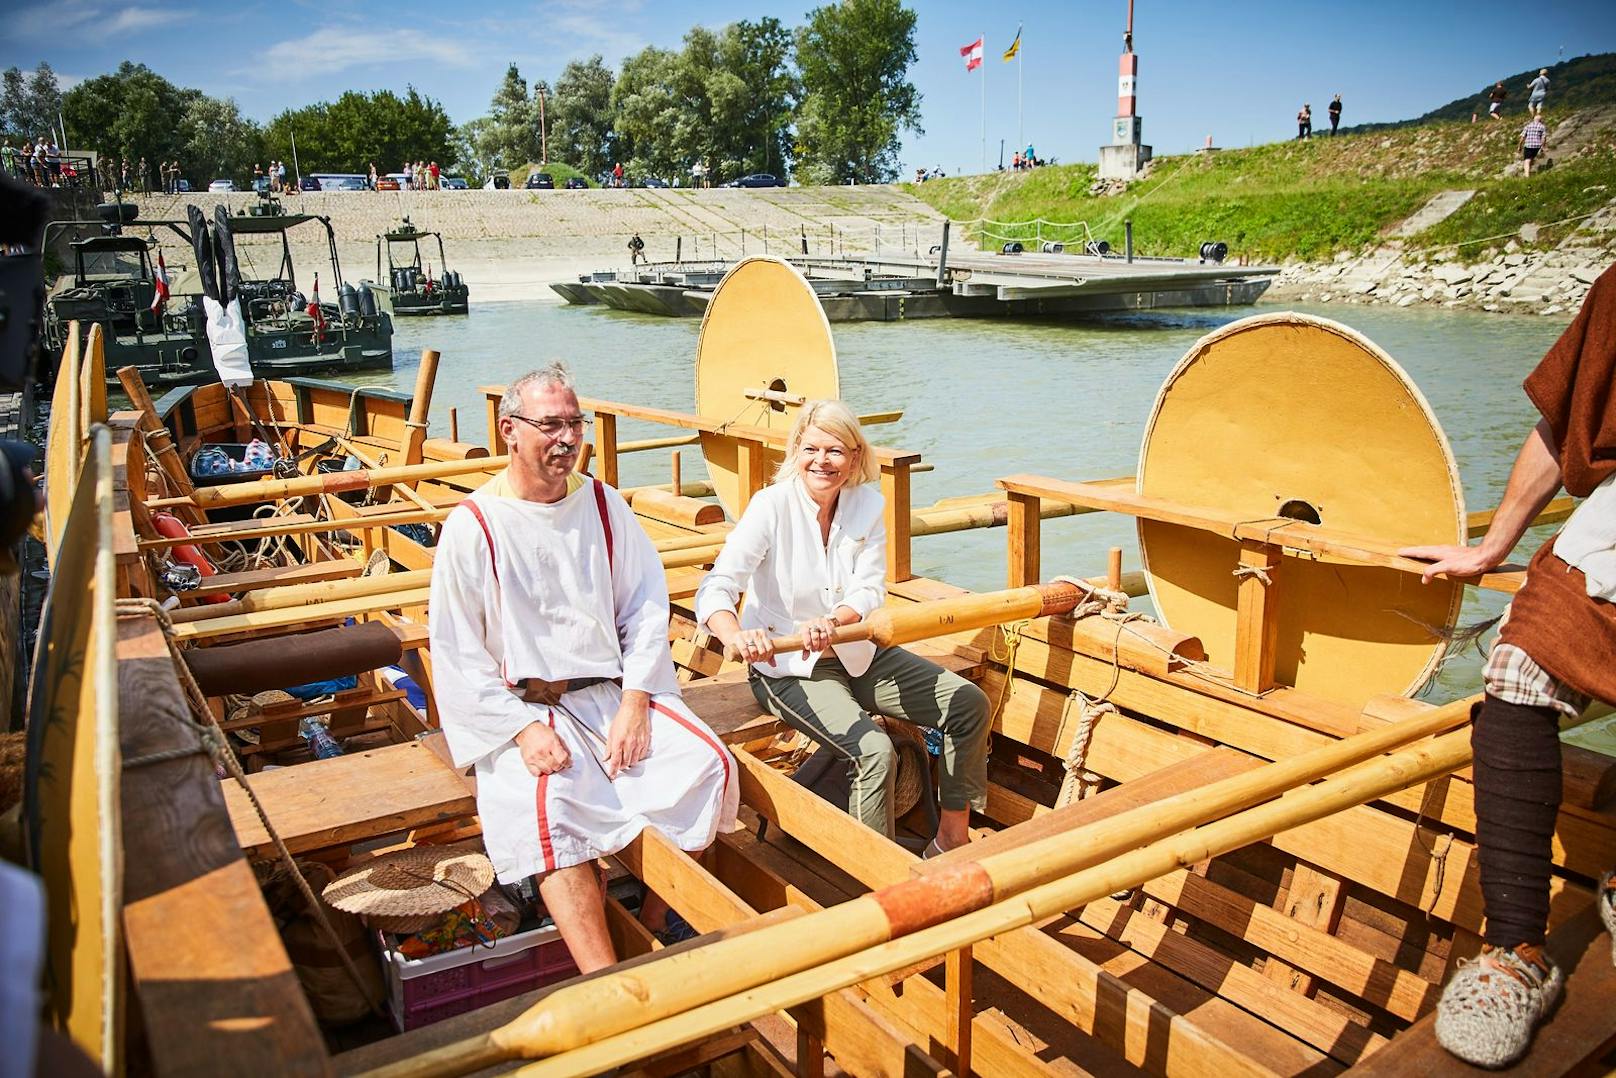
pixel 411 889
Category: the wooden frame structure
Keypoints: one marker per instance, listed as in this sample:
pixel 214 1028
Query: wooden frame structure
pixel 1319 948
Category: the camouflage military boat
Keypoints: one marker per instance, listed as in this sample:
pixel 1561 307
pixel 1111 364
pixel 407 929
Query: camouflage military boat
pixel 410 283
pixel 116 278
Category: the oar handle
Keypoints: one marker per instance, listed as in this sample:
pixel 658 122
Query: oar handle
pixel 785 645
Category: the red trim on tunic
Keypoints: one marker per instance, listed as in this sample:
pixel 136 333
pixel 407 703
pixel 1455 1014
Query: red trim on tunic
pixel 605 522
pixel 544 817
pixel 723 757
pixel 487 534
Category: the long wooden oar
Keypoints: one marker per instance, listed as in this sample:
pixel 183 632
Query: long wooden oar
pixel 610 1005
pixel 303 486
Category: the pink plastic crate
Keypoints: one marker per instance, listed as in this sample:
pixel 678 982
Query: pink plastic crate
pixel 425 990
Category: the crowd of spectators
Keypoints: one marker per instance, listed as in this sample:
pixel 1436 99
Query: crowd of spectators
pixel 36 161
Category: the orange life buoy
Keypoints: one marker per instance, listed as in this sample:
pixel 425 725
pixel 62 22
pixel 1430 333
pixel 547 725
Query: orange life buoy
pixel 172 527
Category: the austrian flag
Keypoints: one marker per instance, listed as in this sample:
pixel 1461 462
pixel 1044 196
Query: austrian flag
pixel 972 54
pixel 160 286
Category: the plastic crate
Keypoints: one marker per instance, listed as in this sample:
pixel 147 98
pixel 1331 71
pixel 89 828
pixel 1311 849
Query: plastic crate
pixel 426 990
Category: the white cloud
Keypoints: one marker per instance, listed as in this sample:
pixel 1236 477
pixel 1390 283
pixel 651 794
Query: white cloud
pixel 94 20
pixel 337 48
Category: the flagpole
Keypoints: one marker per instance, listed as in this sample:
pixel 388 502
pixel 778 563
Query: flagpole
pixel 984 101
pixel 1021 135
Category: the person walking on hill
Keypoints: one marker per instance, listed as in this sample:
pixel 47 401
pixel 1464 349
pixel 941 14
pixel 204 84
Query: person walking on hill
pixel 1495 101
pixel 1533 135
pixel 1304 122
pixel 1335 114
pixel 1539 88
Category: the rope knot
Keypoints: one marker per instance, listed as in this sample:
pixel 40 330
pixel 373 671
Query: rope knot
pixel 1244 571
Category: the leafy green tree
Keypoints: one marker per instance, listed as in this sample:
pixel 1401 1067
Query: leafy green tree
pixel 754 93
pixel 854 61
pixel 218 139
pixel 580 116
pixel 646 113
pixel 358 130
pixel 132 113
pixel 511 137
pixel 30 102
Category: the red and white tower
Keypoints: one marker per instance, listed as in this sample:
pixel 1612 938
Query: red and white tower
pixel 1126 155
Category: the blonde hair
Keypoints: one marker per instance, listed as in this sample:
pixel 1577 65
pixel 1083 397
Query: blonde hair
pixel 836 419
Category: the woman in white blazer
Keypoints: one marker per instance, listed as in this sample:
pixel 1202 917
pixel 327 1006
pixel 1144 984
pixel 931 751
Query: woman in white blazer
pixel 810 554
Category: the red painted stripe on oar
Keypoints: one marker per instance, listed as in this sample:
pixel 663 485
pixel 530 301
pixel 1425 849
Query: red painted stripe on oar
pixel 930 900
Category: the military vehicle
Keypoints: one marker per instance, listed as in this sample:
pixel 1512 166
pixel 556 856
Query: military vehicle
pixel 114 282
pixel 409 284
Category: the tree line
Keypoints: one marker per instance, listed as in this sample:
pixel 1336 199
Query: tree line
pixel 827 102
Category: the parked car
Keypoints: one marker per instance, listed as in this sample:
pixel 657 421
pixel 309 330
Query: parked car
pixel 386 183
pixel 343 183
pixel 540 181
pixel 222 185
pixel 498 180
pixel 576 183
pixel 308 183
pixel 756 179
pixel 654 181
pixel 261 184
pixel 182 185
pixel 452 183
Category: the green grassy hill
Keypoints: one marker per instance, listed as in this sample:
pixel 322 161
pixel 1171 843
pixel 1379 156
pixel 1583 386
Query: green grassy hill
pixel 1309 200
pixel 1573 84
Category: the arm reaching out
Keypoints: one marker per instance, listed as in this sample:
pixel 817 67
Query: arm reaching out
pixel 1533 483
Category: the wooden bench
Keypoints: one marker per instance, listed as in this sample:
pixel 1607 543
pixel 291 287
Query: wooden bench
pixel 276 576
pixel 349 799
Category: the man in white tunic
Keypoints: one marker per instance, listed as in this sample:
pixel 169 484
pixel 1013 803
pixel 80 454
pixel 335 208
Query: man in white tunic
pixel 549 618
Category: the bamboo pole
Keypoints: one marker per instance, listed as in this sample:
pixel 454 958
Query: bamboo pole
pixel 420 406
pixel 302 527
pixel 297 615
pixel 946 910
pixel 1365 782
pixel 942 518
pixel 297 595
pixel 332 483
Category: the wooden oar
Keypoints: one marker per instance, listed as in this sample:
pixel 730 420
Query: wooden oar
pixel 1143 645
pixel 266 490
pixel 643 1037
pixel 610 1005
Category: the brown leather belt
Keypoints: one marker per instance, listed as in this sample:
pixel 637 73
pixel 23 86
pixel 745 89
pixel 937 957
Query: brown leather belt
pixel 535 690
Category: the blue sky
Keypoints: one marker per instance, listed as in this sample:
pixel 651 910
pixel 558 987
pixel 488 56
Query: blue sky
pixel 1237 69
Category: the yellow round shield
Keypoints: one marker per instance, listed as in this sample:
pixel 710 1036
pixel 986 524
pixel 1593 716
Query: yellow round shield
pixel 765 346
pixel 1287 416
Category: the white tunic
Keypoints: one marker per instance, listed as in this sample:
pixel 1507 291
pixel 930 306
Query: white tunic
pixel 547 600
pixel 775 555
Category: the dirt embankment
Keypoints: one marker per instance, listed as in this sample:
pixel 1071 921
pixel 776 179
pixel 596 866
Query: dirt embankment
pixel 510 244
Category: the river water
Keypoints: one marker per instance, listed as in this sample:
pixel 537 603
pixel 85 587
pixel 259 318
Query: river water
pixel 982 399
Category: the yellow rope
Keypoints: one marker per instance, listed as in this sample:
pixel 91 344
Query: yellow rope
pixel 1011 633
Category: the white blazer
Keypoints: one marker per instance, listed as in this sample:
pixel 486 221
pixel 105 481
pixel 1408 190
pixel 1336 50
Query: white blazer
pixel 775 556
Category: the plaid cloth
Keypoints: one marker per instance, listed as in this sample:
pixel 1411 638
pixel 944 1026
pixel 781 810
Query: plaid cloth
pixel 1533 135
pixel 1513 677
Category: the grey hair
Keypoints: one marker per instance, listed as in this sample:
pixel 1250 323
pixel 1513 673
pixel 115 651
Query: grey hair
pixel 554 374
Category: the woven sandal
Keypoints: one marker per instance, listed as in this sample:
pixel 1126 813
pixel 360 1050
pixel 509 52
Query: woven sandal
pixel 1494 1001
pixel 1607 907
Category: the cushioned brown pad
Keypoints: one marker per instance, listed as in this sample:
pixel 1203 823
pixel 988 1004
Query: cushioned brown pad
pixel 293 660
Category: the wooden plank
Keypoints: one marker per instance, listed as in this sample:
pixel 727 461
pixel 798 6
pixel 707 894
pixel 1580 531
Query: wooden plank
pixel 860 1039
pixel 1022 538
pixel 1071 985
pixel 349 799
pixel 958 967
pixel 1312 1022
pixel 896 490
pixel 277 576
pixel 1291 535
pixel 606 447
pixel 208 1007
pixel 1256 617
pixel 1314 899
pixel 1371 978
pixel 1580 1032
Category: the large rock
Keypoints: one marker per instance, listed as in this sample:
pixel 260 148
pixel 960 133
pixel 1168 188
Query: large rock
pixel 1452 275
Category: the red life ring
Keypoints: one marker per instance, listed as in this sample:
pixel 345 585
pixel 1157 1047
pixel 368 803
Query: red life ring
pixel 172 527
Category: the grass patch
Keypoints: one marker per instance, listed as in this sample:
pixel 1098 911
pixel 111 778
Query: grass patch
pixel 1501 207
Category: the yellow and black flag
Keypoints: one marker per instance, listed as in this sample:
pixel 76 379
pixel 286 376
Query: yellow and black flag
pixel 1015 47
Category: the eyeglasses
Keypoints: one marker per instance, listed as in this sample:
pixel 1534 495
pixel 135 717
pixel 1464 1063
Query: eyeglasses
pixel 550 426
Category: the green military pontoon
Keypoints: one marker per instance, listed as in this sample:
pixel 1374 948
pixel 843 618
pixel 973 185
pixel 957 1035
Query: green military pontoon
pixel 409 283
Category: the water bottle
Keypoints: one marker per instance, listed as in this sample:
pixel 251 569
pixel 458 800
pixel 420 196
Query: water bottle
pixel 319 738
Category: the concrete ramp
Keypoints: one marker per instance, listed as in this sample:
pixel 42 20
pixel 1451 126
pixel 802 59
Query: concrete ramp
pixel 1442 205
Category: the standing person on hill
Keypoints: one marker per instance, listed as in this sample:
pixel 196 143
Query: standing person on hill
pixel 1533 135
pixel 370 177
pixel 1335 114
pixel 409 176
pixel 617 174
pixel 436 174
pixel 1555 655
pixel 1304 122
pixel 1539 88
